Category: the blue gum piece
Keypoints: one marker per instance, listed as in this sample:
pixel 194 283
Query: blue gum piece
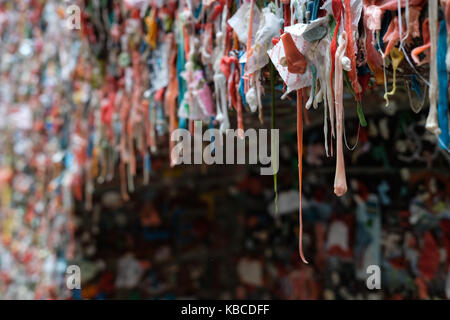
pixel 443 86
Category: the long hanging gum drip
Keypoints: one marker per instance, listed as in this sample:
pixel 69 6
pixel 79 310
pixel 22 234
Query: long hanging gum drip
pixel 300 167
pixel 432 119
pixel 272 112
pixel 396 57
pixel 340 183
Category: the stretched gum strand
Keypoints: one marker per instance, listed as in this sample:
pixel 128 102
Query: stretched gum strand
pixel 432 119
pixel 396 57
pixel 377 36
pixel 340 183
pixel 239 115
pixel 171 94
pixel 135 109
pixel 330 95
pixel 300 169
pixel 230 66
pixel 249 43
pixel 337 11
pixel 400 21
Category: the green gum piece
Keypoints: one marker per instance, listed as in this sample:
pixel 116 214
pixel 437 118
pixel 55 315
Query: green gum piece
pixel 272 111
pixel 359 110
pixel 332 25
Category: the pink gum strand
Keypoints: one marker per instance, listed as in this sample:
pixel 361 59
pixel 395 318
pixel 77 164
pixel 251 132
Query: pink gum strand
pixel 340 183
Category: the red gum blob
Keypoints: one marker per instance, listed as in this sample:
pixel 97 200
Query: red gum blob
pixel 296 62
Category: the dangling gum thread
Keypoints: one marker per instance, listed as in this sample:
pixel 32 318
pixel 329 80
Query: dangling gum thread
pixel 310 101
pixel 396 57
pixel 171 94
pixel 135 105
pixel 362 121
pixel 400 22
pixel 240 119
pixel 413 68
pixel 337 11
pixel 306 115
pixel 231 66
pixel 123 184
pixel 272 113
pixel 89 186
pixel 330 102
pixel 328 105
pixel 130 181
pixel 152 117
pixel 259 92
pixel 414 108
pixel 249 44
pixel 340 183
pixel 124 113
pixel 220 81
pixel 377 36
pixel 146 133
pixel 300 167
pixel 432 121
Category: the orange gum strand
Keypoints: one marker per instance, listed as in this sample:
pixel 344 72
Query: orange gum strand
pixel 416 51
